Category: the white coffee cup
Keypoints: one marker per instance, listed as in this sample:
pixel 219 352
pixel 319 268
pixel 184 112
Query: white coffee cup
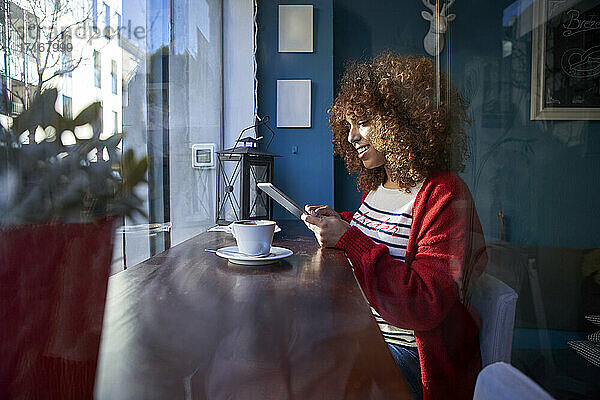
pixel 253 238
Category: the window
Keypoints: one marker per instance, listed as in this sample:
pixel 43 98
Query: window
pixel 118 27
pixel 19 96
pixel 533 181
pixel 95 15
pixel 115 122
pixel 4 103
pixel 163 92
pixel 106 20
pixel 33 29
pixel 125 93
pixel 113 76
pixel 101 119
pixel 67 107
pixel 16 28
pixel 97 69
pixel 67 63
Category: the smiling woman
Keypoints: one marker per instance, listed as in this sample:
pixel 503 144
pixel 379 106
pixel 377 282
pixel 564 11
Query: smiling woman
pixel 359 135
pixel 396 96
pixel 415 243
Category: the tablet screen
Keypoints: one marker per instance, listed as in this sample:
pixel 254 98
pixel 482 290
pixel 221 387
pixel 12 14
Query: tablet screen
pixel 281 198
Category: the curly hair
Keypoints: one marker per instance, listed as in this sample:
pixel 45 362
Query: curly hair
pixel 416 135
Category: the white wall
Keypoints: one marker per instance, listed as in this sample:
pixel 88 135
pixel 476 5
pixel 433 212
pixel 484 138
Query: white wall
pixel 197 103
pixel 238 63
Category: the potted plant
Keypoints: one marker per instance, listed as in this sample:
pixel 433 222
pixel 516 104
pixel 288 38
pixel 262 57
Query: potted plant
pixel 60 201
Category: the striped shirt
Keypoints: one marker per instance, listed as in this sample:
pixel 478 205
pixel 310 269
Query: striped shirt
pixel 386 217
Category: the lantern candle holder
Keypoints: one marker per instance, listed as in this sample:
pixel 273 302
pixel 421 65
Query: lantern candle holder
pixel 239 169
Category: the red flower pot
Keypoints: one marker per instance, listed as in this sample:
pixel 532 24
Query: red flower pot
pixel 53 280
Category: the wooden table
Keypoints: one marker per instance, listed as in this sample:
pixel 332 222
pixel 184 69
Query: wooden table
pixel 186 324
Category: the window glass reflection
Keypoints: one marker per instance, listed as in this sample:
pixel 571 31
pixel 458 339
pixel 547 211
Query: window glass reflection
pixel 155 67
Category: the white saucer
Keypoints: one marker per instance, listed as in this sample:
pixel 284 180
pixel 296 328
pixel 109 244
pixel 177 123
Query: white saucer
pixel 235 257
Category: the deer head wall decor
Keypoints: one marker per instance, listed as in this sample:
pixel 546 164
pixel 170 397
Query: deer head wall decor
pixel 438 24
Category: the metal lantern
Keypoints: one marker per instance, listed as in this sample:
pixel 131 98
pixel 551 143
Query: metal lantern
pixel 239 169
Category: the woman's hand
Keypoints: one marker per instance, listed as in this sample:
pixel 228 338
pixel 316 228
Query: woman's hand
pixel 326 224
pixel 320 211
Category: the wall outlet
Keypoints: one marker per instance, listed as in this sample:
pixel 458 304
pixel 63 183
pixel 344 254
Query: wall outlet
pixel 203 155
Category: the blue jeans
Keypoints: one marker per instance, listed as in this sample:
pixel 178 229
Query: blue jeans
pixel 407 359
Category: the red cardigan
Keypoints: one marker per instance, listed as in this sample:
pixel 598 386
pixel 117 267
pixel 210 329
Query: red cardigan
pixel 427 293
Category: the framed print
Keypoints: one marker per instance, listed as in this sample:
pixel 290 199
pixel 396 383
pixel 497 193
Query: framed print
pixel 565 75
pixel 295 28
pixel 293 103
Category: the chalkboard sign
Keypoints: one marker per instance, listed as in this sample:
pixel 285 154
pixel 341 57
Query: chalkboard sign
pixel 566 60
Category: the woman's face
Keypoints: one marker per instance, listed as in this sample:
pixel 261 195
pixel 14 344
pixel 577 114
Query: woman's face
pixel 359 136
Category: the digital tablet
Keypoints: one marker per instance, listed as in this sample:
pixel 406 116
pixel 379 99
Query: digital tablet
pixel 281 198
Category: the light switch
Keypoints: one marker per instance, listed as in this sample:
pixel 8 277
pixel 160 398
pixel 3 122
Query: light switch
pixel 203 155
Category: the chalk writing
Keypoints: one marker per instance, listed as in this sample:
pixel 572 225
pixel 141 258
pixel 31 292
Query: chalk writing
pixel 576 24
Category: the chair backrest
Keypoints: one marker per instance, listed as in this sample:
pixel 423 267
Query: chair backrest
pixel 502 381
pixel 496 303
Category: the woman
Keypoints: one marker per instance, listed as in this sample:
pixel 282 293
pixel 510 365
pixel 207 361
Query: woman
pixel 415 243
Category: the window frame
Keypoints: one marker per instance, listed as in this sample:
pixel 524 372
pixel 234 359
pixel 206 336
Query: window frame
pixel 95 15
pixel 115 122
pixel 67 106
pixel 106 11
pixel 114 77
pixel 118 27
pixel 97 69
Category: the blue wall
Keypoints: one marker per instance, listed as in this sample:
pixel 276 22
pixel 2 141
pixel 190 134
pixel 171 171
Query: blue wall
pixel 307 176
pixel 547 188
pixel 362 30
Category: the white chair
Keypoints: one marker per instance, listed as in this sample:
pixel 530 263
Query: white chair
pixel 496 303
pixel 502 381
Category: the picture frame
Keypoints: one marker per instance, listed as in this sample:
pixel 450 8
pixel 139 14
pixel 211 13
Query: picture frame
pixel 295 28
pixel 565 75
pixel 294 103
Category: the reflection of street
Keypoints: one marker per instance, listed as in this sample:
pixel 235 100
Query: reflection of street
pixel 158 75
pixel 57 46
